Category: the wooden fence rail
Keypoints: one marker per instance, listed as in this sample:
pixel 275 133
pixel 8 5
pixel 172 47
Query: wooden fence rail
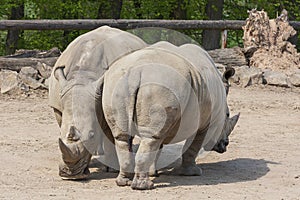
pixel 88 24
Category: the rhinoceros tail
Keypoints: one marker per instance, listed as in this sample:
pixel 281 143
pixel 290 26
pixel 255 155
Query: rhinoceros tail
pixel 131 113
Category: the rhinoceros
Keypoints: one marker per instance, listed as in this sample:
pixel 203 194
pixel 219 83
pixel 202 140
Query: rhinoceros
pixel 74 98
pixel 165 94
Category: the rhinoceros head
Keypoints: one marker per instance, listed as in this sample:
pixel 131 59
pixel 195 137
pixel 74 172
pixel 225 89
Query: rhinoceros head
pixel 221 145
pixel 79 127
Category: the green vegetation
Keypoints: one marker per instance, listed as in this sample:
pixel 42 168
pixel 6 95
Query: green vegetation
pixel 126 9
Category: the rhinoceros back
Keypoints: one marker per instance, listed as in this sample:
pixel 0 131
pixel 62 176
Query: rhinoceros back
pixel 204 66
pixel 89 56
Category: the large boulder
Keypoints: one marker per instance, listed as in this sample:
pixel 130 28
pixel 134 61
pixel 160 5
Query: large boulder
pixel 295 79
pixel 8 81
pixel 29 76
pixel 246 76
pixel 276 79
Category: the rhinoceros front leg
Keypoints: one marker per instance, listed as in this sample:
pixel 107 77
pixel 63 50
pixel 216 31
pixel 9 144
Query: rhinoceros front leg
pixel 125 157
pixel 145 157
pixel 191 149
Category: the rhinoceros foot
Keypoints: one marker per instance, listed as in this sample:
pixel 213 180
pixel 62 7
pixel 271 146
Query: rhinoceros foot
pixel 191 170
pixel 66 174
pixel 142 182
pixel 123 181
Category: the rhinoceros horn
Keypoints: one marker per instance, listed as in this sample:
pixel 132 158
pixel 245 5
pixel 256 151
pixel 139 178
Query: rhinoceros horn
pixel 232 122
pixel 70 152
pixel 60 76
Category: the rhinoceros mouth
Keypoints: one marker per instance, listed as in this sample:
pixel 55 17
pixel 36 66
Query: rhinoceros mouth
pixel 67 173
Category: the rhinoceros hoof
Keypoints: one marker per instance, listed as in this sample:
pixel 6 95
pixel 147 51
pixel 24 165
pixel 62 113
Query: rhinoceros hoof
pixel 142 184
pixel 192 170
pixel 121 181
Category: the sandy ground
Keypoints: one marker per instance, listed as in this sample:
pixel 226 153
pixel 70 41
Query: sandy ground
pixel 262 161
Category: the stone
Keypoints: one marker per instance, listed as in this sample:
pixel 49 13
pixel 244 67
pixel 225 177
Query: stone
pixel 276 78
pixel 8 81
pixel 221 68
pixel 30 72
pixel 44 70
pixel 29 76
pixel 46 83
pixel 246 76
pixel 295 79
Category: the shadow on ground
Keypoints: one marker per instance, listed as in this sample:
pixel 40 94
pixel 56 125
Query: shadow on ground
pixel 231 171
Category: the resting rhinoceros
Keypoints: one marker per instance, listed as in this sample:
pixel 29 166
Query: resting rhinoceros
pixel 73 95
pixel 165 94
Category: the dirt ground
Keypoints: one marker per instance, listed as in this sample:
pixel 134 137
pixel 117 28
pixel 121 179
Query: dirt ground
pixel 262 161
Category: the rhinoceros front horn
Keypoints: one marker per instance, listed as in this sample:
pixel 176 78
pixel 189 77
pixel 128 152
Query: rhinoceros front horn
pixel 72 151
pixel 232 122
pixel 67 153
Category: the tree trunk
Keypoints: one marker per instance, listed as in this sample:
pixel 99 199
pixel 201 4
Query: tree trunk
pixel 110 9
pixel 214 11
pixel 180 11
pixel 137 6
pixel 116 7
pixel 13 35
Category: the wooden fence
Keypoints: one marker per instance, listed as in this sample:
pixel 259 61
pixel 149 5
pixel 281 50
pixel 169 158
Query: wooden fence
pixel 88 24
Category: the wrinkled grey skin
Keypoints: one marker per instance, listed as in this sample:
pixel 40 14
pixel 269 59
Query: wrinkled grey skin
pixel 143 94
pixel 74 95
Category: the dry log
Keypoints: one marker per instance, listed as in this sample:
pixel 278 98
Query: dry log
pixel 229 56
pixel 24 53
pixel 15 64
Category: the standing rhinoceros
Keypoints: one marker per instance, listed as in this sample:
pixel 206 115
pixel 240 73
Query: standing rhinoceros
pixel 165 94
pixel 73 94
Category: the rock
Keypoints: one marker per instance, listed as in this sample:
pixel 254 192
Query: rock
pixel 44 70
pixel 295 79
pixel 246 76
pixel 220 67
pixel 276 78
pixel 8 81
pixel 30 72
pixel 46 83
pixel 29 76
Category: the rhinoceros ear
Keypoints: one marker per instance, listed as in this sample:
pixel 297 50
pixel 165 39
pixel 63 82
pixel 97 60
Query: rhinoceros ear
pixel 229 72
pixel 60 76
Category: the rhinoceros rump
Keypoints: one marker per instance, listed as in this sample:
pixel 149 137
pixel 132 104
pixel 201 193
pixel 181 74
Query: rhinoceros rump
pixel 165 94
pixel 73 95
